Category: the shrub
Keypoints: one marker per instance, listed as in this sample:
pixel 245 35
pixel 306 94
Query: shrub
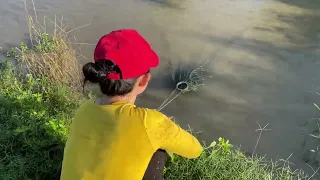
pixel 34 118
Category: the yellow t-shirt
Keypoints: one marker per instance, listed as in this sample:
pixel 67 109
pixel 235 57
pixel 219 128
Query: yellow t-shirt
pixel 117 141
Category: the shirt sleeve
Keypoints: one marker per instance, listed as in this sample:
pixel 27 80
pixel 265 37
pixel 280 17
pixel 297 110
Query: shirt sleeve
pixel 165 134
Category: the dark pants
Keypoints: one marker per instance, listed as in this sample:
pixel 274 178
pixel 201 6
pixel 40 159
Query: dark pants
pixel 156 166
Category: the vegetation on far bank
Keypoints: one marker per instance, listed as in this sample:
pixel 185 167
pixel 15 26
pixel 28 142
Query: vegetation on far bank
pixel 38 97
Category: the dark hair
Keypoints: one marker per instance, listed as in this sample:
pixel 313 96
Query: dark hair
pixel 97 73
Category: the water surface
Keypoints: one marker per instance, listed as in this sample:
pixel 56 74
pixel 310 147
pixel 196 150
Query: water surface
pixel 264 61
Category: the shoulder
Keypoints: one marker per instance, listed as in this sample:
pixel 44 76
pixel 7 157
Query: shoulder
pixel 154 120
pixel 85 105
pixel 149 114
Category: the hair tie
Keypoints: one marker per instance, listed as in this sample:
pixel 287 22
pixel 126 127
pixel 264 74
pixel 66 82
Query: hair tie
pixel 113 75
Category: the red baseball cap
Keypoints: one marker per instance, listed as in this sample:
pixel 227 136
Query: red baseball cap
pixel 129 50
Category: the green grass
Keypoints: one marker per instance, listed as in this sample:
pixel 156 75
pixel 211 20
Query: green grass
pixel 221 161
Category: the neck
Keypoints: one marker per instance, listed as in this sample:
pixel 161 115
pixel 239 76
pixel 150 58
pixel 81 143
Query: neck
pixel 109 100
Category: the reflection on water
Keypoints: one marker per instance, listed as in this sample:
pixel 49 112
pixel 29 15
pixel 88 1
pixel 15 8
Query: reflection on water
pixel 177 4
pixel 263 61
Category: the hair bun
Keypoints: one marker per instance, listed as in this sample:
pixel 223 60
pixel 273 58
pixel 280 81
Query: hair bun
pixel 97 73
pixel 93 73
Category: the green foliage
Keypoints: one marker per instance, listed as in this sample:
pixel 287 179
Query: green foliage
pixel 23 47
pixel 34 116
pixel 17 52
pixel 221 161
pixel 45 43
pixel 13 53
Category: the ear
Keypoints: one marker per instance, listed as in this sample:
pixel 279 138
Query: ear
pixel 144 80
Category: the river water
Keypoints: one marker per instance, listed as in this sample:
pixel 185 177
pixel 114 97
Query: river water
pixel 264 59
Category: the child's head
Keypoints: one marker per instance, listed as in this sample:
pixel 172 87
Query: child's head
pixel 123 60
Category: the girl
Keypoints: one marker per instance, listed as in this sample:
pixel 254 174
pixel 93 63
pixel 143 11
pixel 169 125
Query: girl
pixel 112 139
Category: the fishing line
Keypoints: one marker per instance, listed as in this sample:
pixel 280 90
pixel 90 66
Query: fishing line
pixel 167 99
pixel 161 107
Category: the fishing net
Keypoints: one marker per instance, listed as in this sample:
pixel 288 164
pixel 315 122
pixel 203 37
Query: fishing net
pixel 187 81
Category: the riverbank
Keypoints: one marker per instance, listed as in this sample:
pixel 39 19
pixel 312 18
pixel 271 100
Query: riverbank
pixel 39 94
pixel 35 114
